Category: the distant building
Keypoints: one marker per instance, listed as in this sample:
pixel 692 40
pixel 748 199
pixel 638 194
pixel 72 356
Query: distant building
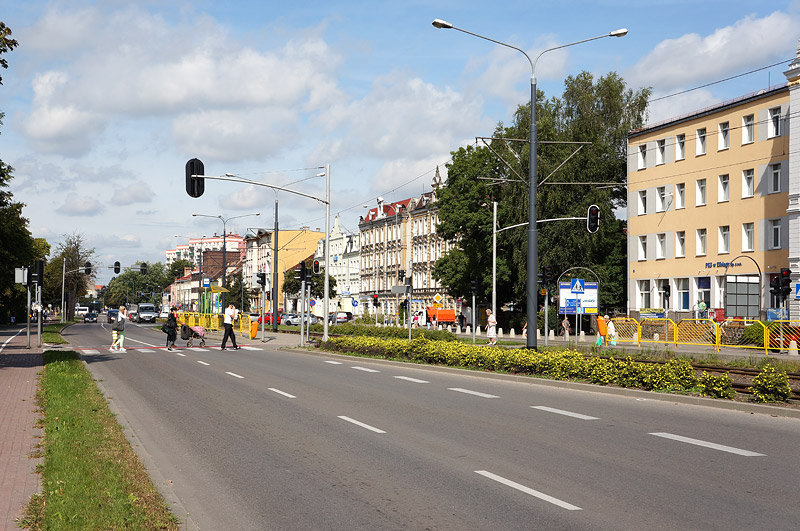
pixel 234 246
pixel 345 267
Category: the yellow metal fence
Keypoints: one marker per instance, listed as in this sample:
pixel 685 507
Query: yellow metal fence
pixel 731 333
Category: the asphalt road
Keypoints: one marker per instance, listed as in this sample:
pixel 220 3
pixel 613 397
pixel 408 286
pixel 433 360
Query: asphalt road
pixel 275 439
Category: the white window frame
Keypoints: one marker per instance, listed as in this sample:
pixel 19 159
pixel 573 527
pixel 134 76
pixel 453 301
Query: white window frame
pixel 774 123
pixel 723 188
pixel 748 183
pixel 775 228
pixel 680 195
pixel 701 242
pixel 748 129
pixel 642 160
pixel 723 138
pixel 661 246
pixel 661 199
pixel 774 178
pixel 661 147
pixel 680 244
pixel 681 287
pixel 700 143
pixel 724 239
pixel 642 248
pixel 644 293
pixel 642 202
pixel 700 192
pixel 680 146
pixel 748 237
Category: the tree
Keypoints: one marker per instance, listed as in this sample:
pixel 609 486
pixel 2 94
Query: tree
pixel 6 45
pixel 177 268
pixel 235 285
pixel 131 287
pixel 601 113
pixel 291 284
pixel 71 255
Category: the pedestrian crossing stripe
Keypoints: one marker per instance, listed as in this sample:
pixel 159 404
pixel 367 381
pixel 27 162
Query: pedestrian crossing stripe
pixel 198 349
pixel 90 351
pixel 245 347
pixel 145 350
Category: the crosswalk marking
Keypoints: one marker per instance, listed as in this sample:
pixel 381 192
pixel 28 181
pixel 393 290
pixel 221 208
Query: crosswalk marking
pixel 146 350
pixel 198 349
pixel 90 351
pixel 247 347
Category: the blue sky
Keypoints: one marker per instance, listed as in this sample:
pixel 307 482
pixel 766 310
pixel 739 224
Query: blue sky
pixel 106 101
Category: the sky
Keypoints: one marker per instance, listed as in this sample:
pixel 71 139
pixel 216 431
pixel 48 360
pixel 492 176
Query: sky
pixel 106 101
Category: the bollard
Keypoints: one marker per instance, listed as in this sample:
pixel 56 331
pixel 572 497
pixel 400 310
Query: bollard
pixel 656 337
pixel 499 332
pixel 552 334
pixel 511 334
pixel 793 348
pixel 582 337
pixel 469 330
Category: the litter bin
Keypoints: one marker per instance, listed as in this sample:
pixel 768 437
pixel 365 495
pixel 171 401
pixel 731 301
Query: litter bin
pixel 253 329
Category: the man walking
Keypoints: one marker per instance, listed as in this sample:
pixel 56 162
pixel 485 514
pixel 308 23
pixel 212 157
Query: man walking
pixel 230 316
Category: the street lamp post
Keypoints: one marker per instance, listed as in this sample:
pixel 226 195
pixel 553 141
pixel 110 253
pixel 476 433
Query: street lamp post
pixel 224 243
pixel 533 256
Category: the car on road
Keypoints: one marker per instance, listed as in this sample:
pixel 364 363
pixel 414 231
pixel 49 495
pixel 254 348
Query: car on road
pixel 112 316
pixel 90 317
pixel 147 313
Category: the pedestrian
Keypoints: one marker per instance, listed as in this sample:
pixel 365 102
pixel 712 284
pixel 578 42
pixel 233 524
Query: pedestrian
pixel 461 321
pixel 491 327
pixel 612 332
pixel 702 306
pixel 172 328
pixel 118 331
pixel 230 316
pixel 602 330
pixel 565 327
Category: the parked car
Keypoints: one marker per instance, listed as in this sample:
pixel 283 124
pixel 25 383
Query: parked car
pixel 90 317
pixel 269 319
pixel 294 319
pixel 112 315
pixel 340 317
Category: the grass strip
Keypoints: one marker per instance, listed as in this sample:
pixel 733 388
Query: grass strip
pixel 51 333
pixel 91 477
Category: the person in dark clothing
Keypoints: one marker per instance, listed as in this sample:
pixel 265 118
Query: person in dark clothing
pixel 172 328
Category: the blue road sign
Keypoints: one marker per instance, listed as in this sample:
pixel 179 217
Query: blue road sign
pixel 355 303
pixel 577 285
pixel 797 291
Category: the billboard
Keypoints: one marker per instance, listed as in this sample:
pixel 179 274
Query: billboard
pixel 578 297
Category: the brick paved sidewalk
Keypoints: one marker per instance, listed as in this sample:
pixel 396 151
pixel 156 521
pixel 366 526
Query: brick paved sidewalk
pixel 19 368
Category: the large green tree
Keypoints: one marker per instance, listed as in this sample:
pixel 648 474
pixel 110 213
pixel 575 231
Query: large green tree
pixel 597 112
pixel 131 286
pixel 291 284
pixel 177 268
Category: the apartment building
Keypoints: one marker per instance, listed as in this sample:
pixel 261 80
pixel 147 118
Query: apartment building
pixel 345 268
pixel 710 199
pixel 193 250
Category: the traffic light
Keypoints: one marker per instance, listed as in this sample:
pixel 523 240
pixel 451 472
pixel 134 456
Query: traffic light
pixel 474 285
pixel 775 285
pixel 143 268
pixel 593 218
pixel 375 300
pixel 667 291
pixel 36 273
pixel 195 186
pixel 786 281
pixel 87 268
pixel 116 267
pixel 303 272
pixel 547 274
pixel 315 267
pixel 261 279
pixel 401 274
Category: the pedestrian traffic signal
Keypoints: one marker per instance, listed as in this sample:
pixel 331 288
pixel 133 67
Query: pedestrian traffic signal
pixel 143 268
pixel 667 290
pixel 87 268
pixel 593 218
pixel 195 186
pixel 786 281
pixel 401 274
pixel 261 279
pixel 116 267
pixel 375 300
pixel 775 285
pixel 315 267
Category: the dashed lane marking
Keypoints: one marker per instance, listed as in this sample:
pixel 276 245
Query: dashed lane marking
pixel 409 379
pixel 713 446
pixel 365 369
pixel 287 395
pixel 202 362
pixel 476 393
pixel 235 375
pixel 565 413
pixel 334 362
pixel 365 426
pixel 528 490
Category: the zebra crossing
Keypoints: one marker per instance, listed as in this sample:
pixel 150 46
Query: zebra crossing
pixel 154 350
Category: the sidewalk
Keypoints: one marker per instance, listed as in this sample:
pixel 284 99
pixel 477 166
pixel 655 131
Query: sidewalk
pixel 19 368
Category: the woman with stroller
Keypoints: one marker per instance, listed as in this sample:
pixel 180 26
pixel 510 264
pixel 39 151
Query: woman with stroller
pixel 172 328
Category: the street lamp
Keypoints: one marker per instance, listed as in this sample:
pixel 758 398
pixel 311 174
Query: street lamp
pixel 224 243
pixel 533 256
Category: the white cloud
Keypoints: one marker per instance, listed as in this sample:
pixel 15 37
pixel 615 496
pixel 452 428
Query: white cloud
pixel 134 193
pixel 681 104
pixel 692 58
pixel 76 205
pixel 115 241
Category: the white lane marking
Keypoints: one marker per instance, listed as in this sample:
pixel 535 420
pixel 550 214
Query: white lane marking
pixel 10 338
pixel 197 349
pixel 563 412
pixel 179 354
pixel 467 391
pixel 145 350
pixel 409 379
pixel 365 369
pixel 202 362
pixel 287 395
pixel 333 362
pixel 245 347
pixel 357 423
pixel 90 351
pixel 235 375
pixel 131 340
pixel 527 490
pixel 714 446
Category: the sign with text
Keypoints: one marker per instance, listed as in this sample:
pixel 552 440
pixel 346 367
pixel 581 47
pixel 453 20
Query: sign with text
pixel 578 297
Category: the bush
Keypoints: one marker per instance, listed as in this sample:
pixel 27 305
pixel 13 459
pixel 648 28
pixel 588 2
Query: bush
pixel 754 334
pixel 716 386
pixel 388 332
pixel 771 385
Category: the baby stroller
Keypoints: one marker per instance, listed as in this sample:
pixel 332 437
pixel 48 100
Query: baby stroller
pixel 189 333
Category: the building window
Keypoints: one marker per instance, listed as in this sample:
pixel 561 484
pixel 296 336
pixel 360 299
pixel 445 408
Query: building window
pixel 642 156
pixel 700 244
pixel 748 129
pixel 775 233
pixel 644 294
pixel 680 195
pixel 723 139
pixel 642 202
pixel 701 142
pixel 642 247
pixel 680 147
pixel 661 199
pixel 724 244
pixel 660 151
pixel 661 246
pixel 723 193
pixel 701 192
pixel 748 236
pixel 704 292
pixel 774 178
pixel 774 125
pixel 682 291
pixel 748 187
pixel 680 243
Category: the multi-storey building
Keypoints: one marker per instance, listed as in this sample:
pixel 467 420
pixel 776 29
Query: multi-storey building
pixel 344 267
pixel 713 206
pixel 192 251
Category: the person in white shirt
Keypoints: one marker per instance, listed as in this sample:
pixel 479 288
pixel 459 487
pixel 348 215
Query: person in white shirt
pixel 491 327
pixel 230 316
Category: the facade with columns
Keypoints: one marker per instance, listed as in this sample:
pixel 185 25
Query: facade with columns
pixel 714 207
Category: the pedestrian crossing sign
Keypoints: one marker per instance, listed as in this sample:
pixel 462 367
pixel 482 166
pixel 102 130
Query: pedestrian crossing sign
pixel 577 285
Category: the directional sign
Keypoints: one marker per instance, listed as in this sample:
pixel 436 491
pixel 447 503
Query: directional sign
pixel 577 285
pixel 584 301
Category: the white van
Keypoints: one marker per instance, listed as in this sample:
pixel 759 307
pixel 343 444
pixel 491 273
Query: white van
pixel 81 310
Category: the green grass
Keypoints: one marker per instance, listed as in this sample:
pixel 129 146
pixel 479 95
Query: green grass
pixel 51 333
pixel 91 477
